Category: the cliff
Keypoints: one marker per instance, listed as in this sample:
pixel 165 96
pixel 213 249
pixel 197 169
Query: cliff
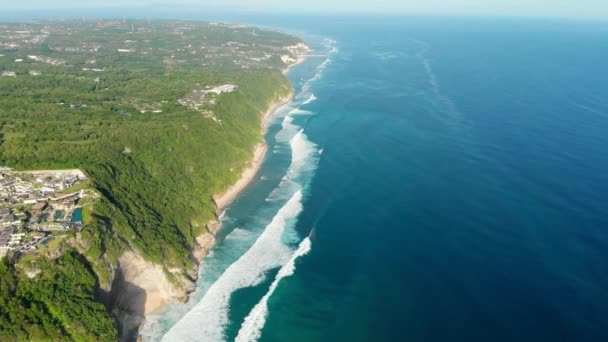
pixel 155 142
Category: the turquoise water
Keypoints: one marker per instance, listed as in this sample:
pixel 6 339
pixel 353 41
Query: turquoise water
pixel 434 180
pixel 59 214
pixel 77 215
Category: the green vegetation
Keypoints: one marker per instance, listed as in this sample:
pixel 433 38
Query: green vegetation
pixel 154 162
pixel 57 304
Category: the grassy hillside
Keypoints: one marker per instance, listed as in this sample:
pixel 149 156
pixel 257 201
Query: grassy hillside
pixel 155 162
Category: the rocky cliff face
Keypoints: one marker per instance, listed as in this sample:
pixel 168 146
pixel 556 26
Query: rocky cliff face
pixel 140 287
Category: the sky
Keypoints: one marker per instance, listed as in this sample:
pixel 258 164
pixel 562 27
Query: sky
pixel 567 8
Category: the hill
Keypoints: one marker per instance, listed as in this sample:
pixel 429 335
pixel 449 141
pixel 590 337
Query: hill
pixel 160 116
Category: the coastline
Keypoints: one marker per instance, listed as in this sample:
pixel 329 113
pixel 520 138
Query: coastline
pixel 155 300
pixel 153 291
pixel 248 175
pixel 299 60
pixel 259 152
pixel 205 241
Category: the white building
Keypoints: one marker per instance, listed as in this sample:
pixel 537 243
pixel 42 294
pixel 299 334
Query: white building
pixel 226 88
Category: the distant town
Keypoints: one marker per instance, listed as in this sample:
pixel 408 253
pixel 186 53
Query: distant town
pixel 189 44
pixel 36 207
pixel 96 52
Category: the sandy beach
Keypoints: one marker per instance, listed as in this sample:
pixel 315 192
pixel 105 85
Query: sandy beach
pixel 248 175
pixel 224 199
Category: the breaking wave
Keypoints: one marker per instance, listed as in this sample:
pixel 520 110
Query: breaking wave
pixel 210 316
pixel 251 329
pixel 270 250
pixel 310 99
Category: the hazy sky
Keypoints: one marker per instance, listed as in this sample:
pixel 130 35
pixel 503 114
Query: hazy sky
pixel 595 8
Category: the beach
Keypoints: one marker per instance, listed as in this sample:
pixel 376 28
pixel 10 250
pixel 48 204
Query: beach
pixel 205 241
pixel 248 175
pixel 259 152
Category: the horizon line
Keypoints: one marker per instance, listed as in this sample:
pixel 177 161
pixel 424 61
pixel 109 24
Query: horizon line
pixel 354 12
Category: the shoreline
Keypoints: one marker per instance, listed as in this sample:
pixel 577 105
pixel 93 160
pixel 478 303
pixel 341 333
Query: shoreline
pixel 206 241
pixel 255 163
pixel 222 200
pixel 155 300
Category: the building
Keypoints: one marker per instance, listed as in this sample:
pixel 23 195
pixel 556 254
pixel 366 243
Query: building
pixel 52 226
pixel 39 206
pixel 5 235
pixel 226 88
pixel 6 239
pixel 9 220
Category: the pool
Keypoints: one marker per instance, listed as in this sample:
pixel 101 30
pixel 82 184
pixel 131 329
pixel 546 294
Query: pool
pixel 59 215
pixel 77 216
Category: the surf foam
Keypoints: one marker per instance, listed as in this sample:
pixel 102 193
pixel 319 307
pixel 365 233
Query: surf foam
pixel 210 316
pixel 251 329
pixel 310 99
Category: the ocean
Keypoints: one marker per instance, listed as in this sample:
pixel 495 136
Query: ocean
pixel 434 179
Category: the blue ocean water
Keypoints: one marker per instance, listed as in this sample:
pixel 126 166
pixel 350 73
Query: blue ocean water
pixel 434 179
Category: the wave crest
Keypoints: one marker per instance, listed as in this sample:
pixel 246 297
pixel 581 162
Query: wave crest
pixel 267 253
pixel 251 329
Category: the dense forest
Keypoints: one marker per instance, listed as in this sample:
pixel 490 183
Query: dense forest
pixel 59 304
pixel 155 162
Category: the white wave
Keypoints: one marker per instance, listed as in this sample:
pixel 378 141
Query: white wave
pixel 304 158
pixel 222 216
pixel 299 111
pixel 288 131
pixel 287 122
pixel 208 319
pixel 329 43
pixel 251 329
pixel 324 65
pixel 319 71
pixel 301 149
pixel 310 99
